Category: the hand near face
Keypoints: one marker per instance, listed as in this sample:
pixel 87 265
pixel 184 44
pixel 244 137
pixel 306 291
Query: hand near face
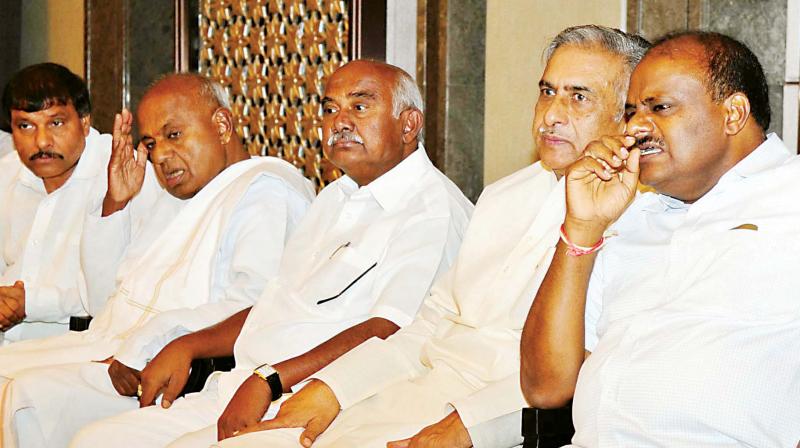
pixel 166 374
pixel 125 379
pixel 600 185
pixel 313 408
pixel 125 172
pixel 12 305
pixel 248 405
pixel 449 432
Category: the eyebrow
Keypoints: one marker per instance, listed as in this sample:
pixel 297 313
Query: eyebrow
pixel 544 83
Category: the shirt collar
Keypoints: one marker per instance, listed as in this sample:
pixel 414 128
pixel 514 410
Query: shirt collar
pixel 390 188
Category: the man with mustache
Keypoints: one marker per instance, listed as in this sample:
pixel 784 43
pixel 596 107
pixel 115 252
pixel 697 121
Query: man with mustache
pixel 673 316
pixel 205 252
pixel 47 188
pixel 358 268
pixel 451 378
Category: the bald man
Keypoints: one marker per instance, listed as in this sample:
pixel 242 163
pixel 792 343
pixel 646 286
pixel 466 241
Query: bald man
pixel 186 267
pixel 358 268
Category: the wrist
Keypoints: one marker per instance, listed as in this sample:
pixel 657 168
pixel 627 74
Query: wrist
pixel 112 205
pixel 583 233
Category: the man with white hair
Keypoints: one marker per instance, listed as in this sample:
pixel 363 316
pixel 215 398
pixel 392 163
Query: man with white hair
pixel 451 378
pixel 205 252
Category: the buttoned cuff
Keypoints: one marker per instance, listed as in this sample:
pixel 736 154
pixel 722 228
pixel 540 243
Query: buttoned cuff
pixel 361 372
pixel 501 432
pixel 493 401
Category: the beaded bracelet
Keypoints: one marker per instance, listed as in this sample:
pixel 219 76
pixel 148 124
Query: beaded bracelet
pixel 575 250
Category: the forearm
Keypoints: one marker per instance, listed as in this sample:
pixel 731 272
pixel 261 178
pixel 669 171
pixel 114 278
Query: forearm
pixel 296 369
pixel 552 344
pixel 216 340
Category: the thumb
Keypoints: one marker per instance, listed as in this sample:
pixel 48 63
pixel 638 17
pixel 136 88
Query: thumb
pixel 399 443
pixel 19 284
pixel 171 392
pixel 313 430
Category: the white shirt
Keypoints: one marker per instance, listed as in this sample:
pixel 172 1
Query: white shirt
pixel 472 322
pixel 693 317
pixel 360 253
pixel 249 254
pixel 40 237
pixel 6 143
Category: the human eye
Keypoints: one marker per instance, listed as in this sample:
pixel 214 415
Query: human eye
pixel 172 135
pixel 149 144
pixel 328 108
pixel 547 91
pixel 661 107
pixel 577 96
pixel 24 126
pixel 360 107
pixel 57 122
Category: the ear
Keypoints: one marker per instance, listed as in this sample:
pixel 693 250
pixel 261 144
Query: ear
pixel 86 124
pixel 223 123
pixel 737 111
pixel 412 120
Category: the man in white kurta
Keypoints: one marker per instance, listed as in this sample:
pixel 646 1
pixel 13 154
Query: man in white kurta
pixel 40 226
pixel 196 261
pixel 457 363
pixel 366 250
pixel 689 314
pixel 6 143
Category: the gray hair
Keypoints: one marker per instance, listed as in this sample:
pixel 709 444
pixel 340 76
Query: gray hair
pixel 630 47
pixel 406 95
pixel 210 89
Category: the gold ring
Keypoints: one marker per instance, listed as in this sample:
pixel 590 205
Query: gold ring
pixel 139 391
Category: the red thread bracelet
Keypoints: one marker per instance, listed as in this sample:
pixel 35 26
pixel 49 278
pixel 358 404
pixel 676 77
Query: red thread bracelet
pixel 576 251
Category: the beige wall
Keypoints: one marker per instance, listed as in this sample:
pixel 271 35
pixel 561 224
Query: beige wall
pixel 52 31
pixel 516 33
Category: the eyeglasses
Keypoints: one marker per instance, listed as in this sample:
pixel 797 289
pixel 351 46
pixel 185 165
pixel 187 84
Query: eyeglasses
pixel 320 302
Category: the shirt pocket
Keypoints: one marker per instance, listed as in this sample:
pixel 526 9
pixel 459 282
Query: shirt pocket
pixel 332 284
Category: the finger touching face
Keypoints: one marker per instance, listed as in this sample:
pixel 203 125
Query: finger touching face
pixel 180 135
pixel 678 126
pixel 578 103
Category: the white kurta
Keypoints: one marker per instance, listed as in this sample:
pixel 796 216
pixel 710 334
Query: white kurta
pixel 6 143
pixel 211 261
pixel 360 253
pixel 40 237
pixel 462 350
pixel 697 318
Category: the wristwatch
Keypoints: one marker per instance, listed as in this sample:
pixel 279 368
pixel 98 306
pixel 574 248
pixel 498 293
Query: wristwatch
pixel 268 373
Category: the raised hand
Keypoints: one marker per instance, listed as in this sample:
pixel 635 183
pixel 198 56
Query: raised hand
pixel 166 374
pixel 313 408
pixel 12 305
pixel 246 408
pixel 125 170
pixel 449 431
pixel 600 186
pixel 124 379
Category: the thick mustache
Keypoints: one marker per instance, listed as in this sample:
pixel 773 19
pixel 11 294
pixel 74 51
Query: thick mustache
pixel 649 139
pixel 41 154
pixel 345 136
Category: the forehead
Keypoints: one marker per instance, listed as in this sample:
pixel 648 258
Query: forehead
pixel 667 72
pixel 160 106
pixel 358 79
pixel 62 110
pixel 595 68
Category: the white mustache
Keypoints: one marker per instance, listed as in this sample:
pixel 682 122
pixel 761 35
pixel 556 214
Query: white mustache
pixel 345 136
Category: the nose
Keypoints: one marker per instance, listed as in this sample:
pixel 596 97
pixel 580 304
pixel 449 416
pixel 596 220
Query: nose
pixel 555 113
pixel 638 125
pixel 342 121
pixel 160 153
pixel 44 140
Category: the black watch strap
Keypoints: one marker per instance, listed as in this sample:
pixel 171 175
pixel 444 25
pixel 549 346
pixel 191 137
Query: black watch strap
pixel 274 382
